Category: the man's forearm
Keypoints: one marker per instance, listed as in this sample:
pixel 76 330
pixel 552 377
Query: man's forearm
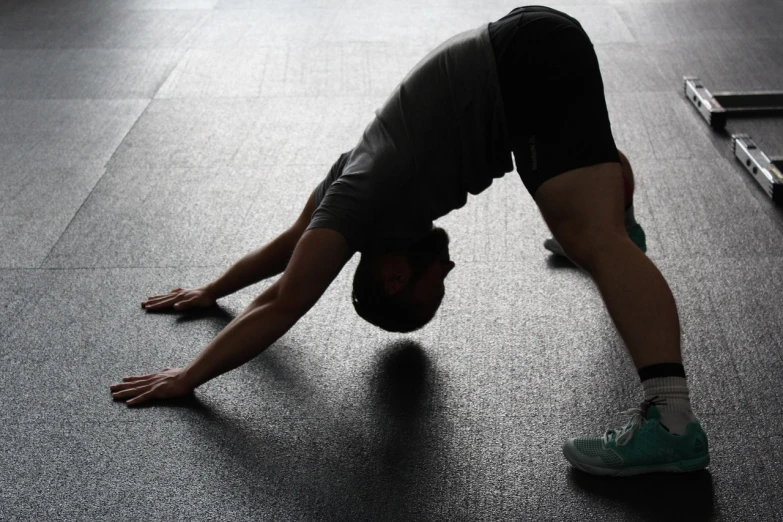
pixel 244 338
pixel 263 263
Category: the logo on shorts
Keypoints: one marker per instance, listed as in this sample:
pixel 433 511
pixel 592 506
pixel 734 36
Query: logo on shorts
pixel 533 157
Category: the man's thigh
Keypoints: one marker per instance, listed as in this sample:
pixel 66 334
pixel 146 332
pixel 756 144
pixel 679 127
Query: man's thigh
pixel 584 208
pixel 557 113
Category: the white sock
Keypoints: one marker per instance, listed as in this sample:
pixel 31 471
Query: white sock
pixel 673 401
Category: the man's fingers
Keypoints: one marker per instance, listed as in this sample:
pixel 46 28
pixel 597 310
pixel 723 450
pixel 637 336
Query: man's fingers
pixel 138 377
pixel 144 397
pixel 127 385
pixel 160 298
pixel 185 304
pixel 131 392
pixel 161 304
pixel 157 298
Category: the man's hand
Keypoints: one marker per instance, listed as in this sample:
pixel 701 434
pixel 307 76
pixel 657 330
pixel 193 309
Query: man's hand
pixel 166 384
pixel 317 260
pixel 180 299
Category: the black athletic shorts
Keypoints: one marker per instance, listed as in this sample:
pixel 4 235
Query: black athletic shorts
pixel 553 94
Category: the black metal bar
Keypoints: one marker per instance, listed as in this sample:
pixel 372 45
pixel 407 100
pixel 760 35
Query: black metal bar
pixel 765 100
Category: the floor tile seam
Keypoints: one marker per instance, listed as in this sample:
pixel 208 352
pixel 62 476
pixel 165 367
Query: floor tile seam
pixel 73 218
pixel 101 178
pixel 182 53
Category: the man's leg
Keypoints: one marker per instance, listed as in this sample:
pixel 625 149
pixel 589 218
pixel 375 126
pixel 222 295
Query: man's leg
pixel 567 158
pixel 584 210
pixel 633 229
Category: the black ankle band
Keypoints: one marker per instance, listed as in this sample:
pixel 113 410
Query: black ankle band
pixel 661 370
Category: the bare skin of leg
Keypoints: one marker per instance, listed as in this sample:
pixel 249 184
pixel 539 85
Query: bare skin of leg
pixel 584 210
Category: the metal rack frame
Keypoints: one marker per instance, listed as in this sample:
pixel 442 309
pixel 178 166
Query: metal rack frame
pixel 716 108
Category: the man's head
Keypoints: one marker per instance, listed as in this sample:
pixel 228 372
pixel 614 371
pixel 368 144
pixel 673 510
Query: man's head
pixel 401 291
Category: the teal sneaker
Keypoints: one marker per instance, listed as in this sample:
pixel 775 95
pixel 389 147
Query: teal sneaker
pixel 642 446
pixel 637 235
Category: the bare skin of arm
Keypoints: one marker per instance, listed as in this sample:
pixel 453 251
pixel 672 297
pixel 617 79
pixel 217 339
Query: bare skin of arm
pixel 263 263
pixel 318 258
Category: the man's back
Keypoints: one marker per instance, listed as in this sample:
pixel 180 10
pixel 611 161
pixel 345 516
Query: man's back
pixel 439 136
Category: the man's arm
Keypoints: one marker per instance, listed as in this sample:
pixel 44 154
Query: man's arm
pixel 319 257
pixel 265 262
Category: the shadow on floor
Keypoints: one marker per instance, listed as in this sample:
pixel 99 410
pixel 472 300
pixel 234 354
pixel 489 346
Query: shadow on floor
pixel 657 496
pixel 376 460
pixel 560 263
pixel 217 315
pixel 401 385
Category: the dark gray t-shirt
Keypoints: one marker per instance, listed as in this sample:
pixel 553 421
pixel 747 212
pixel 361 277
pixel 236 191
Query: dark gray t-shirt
pixel 439 136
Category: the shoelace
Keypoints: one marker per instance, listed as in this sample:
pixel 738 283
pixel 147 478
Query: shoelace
pixel 624 435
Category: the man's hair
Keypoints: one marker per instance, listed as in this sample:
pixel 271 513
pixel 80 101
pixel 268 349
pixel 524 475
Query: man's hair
pixel 399 313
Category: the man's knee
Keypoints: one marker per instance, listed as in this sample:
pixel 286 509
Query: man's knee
pixel 584 210
pixel 583 205
pixel 586 245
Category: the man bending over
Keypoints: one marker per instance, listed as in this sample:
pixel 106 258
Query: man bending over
pixel 528 84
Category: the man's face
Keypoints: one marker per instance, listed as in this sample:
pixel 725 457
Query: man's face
pixel 422 269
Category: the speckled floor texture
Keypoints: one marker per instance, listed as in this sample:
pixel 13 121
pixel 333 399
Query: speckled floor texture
pixel 149 144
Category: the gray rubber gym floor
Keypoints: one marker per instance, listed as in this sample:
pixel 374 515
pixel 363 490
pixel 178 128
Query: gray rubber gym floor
pixel 148 144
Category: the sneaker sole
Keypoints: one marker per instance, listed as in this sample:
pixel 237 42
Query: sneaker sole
pixel 554 247
pixel 683 466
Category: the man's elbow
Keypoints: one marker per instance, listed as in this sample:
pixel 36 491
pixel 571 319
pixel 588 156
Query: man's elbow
pixel 292 308
pixel 287 305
